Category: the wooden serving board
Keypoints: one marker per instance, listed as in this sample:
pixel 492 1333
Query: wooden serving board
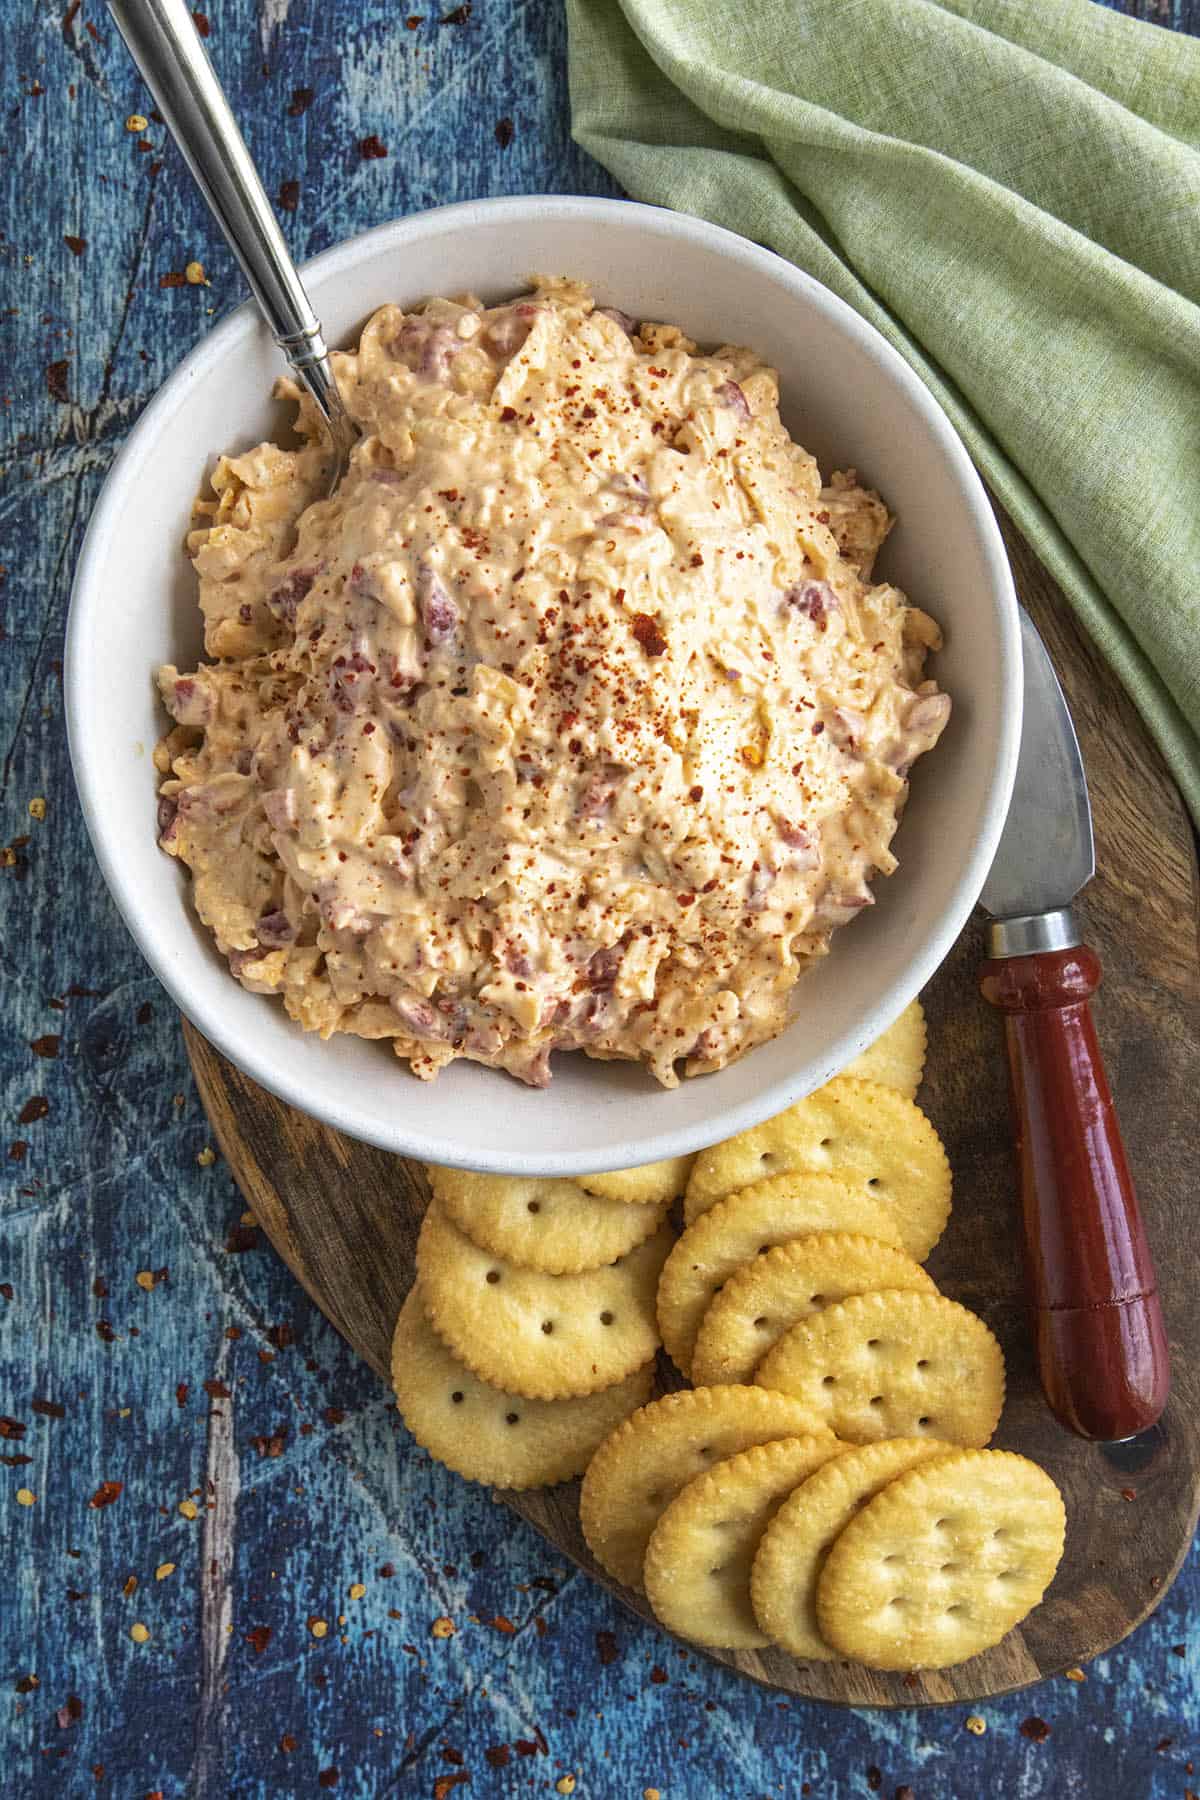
pixel 345 1217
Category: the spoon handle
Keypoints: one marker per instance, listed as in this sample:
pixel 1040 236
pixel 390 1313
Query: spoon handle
pixel 163 42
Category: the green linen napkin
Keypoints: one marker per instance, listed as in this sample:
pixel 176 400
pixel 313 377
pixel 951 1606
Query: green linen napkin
pixel 1009 190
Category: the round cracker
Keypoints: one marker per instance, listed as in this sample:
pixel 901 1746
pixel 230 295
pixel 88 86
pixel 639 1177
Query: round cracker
pixel 486 1435
pixel 865 1133
pixel 766 1297
pixel 943 1563
pixel 893 1365
pixel 542 1224
pixel 541 1336
pixel 653 1184
pixel 897 1058
pixel 792 1552
pixel 698 1560
pixel 643 1464
pixel 735 1230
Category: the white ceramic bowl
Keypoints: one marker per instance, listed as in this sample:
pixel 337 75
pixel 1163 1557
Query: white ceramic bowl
pixel 847 397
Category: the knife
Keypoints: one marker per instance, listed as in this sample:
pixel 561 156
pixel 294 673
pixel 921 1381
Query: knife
pixel 1098 1326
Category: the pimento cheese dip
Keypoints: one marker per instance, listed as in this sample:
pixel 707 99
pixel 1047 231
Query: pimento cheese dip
pixel 573 721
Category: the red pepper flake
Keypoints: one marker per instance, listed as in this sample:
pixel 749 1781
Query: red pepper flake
pixel 905 1793
pixel 289 196
pixel 685 899
pixel 105 1331
pixel 79 1593
pixel 697 561
pixel 201 23
pixel 302 99
pixel 33 1110
pixel 100 1288
pixel 504 133
pixel 12 1428
pixel 68 24
pixel 445 1784
pixel 413 20
pixel 1164 1744
pixel 1035 1729
pixel 45 1046
pixel 1178 1649
pixel 6 1290
pixel 216 1390
pixel 27 1684
pixel 659 1675
pixel 17 1149
pixel 106 1493
pixel 327 1778
pixel 606 1648
pixel 181 1393
pixel 172 279
pixel 76 245
pixel 459 16
pixel 49 1409
pixel 241 1239
pixel 372 148
pixel 452 1756
pixel 281 1336
pixel 287 1743
pixel 647 631
pixel 15 1462
pixel 69 1711
pixel 874 1778
pixel 259 1638
pixel 503 1624
pixel 333 1415
pixel 498 1756
pixel 386 1571
pixel 1126 1493
pixel 271 1447
pixel 534 1746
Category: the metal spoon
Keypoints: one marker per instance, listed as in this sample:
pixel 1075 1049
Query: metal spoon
pixel 163 42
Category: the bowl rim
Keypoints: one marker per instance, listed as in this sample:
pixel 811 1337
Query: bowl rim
pixel 87 593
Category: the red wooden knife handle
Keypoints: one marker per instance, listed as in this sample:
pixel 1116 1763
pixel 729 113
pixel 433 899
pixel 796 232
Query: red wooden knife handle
pixel 1101 1346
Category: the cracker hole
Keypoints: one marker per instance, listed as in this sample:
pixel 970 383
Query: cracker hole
pixel 1007 1575
pixel 547 1326
pixel 876 1399
pixel 1000 1532
pixel 457 1399
pixel 891 1559
pixel 767 1158
pixel 512 1418
pixel 922 1362
pixel 940 1524
pixel 761 1324
pixel 606 1318
pixel 872 1343
pixel 924 1420
pixel 655 1499
pixel 828 1380
pixel 872 1181
pixel 493 1276
pixel 897 1600
pixel 953 1611
pixel 948 1568
pixel 816 1299
pixel 535 1206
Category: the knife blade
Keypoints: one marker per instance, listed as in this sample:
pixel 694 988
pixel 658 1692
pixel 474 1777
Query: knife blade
pixel 1046 852
pixel 1098 1327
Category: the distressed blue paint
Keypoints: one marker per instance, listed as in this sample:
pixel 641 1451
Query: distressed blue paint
pixel 109 1183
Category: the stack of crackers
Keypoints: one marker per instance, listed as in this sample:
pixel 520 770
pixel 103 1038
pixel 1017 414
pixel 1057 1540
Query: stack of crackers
pixel 824 1485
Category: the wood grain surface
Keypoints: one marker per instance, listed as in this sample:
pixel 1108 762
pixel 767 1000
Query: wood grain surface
pixel 345 1216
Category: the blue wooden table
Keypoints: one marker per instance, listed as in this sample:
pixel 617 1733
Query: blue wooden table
pixel 224 1568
